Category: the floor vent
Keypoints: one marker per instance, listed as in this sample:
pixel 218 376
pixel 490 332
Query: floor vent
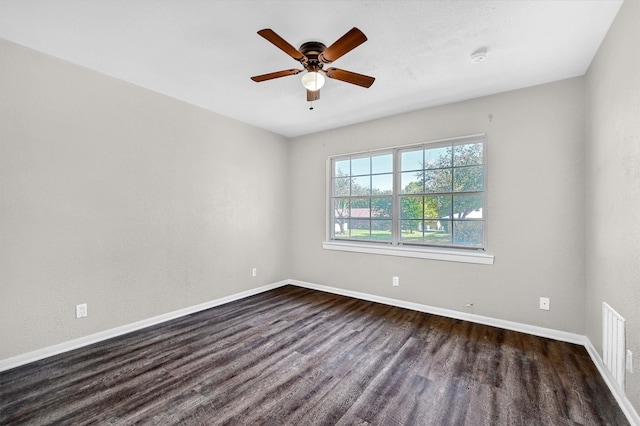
pixel 613 344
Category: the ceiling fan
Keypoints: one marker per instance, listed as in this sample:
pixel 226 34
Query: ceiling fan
pixel 313 55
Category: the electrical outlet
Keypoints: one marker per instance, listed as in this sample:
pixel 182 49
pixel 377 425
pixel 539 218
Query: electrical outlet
pixel 545 303
pixel 629 361
pixel 396 281
pixel 81 310
pixel 254 272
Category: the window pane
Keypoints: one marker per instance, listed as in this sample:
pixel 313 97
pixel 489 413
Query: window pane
pixel 341 186
pixel 359 225
pixel 411 231
pixel 341 228
pixel 341 208
pixel 361 166
pixel 468 206
pixel 437 206
pixel 468 233
pixel 365 229
pixel 437 157
pixel 432 225
pixel 468 154
pixel 381 230
pixel 360 234
pixel 439 233
pixel 360 208
pixel 381 207
pixel 382 184
pixel 411 182
pixel 411 207
pixel 437 180
pixel 469 178
pixel 361 185
pixel 382 163
pixel 411 160
pixel 341 168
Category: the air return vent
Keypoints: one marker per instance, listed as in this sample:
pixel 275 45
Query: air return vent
pixel 613 343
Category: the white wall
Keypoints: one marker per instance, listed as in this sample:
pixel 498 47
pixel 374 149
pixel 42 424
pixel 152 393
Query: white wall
pixel 613 185
pixel 535 209
pixel 127 200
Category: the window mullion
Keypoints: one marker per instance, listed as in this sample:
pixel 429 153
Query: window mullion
pixel 395 217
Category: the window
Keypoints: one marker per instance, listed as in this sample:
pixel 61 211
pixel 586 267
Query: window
pixel 426 195
pixel 363 197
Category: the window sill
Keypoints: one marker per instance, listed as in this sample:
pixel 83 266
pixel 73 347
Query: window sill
pixel 415 252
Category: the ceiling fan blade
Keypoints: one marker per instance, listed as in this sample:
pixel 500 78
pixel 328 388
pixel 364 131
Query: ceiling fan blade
pixel 277 74
pixel 282 44
pixel 350 77
pixel 313 95
pixel 352 39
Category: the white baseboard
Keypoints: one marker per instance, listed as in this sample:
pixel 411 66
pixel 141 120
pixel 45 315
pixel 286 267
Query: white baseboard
pixel 39 354
pixel 619 395
pixel 480 319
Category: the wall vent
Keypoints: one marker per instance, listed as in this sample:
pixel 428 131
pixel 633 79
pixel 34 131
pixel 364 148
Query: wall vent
pixel 613 343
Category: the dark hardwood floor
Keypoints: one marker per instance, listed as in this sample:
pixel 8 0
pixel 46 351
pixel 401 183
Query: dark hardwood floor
pixel 293 356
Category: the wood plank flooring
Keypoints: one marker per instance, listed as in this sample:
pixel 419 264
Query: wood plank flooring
pixel 293 356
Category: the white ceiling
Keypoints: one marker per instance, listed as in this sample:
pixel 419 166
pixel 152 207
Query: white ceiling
pixel 203 52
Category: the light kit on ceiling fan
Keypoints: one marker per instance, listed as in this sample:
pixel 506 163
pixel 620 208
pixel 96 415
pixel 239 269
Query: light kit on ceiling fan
pixel 313 56
pixel 313 81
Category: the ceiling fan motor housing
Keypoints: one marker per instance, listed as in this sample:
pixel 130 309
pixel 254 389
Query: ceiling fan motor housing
pixel 312 50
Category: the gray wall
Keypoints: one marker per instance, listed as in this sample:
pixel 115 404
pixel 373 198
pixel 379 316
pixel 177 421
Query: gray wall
pixel 130 201
pixel 535 209
pixel 613 184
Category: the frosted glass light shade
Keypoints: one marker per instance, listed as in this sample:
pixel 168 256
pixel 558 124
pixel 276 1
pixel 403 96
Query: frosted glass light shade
pixel 313 81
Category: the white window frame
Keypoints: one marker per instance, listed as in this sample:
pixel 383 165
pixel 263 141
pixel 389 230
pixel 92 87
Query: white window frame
pixel 396 247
